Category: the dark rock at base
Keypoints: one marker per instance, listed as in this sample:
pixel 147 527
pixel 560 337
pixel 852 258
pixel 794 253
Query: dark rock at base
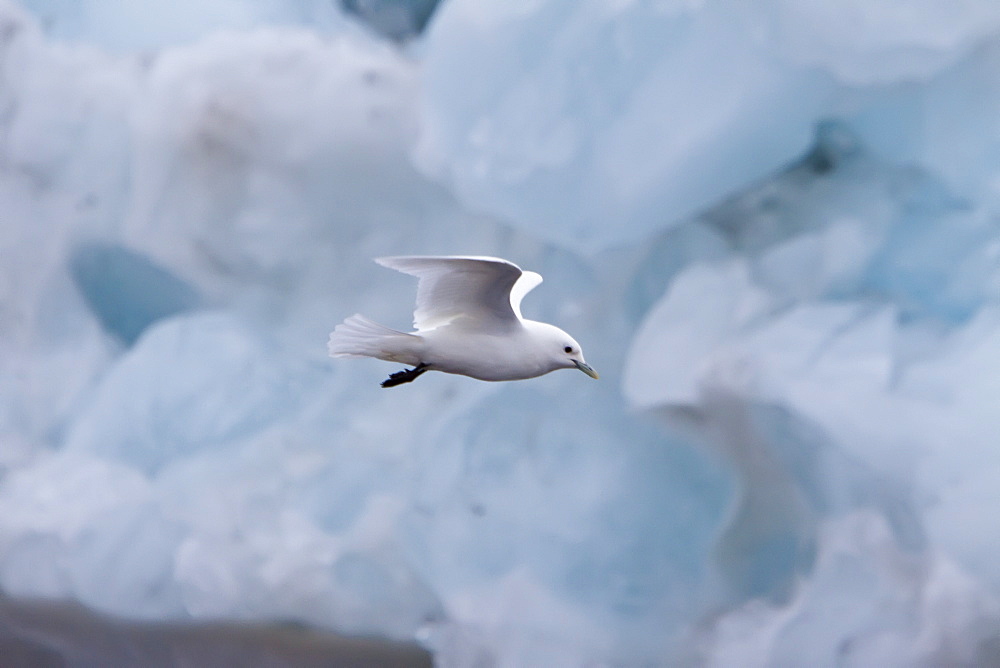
pixel 44 634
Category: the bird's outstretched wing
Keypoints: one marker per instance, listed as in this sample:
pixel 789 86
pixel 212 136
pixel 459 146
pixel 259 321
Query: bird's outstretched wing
pixel 485 291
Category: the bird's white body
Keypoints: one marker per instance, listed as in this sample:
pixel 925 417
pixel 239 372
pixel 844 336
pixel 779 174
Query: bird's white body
pixel 468 322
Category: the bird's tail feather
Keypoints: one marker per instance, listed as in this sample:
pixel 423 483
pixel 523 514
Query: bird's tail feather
pixel 359 336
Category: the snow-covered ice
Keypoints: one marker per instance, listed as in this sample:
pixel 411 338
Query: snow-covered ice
pixel 773 226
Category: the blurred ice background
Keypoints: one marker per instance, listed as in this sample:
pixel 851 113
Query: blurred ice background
pixel 774 227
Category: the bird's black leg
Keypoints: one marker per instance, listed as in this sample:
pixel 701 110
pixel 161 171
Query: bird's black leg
pixel 404 376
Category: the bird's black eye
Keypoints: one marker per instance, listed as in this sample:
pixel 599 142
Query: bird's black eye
pixel 568 349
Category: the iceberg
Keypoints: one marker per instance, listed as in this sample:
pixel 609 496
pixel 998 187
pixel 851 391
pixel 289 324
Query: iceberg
pixel 773 226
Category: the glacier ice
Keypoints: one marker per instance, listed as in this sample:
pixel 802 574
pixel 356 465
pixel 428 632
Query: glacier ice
pixel 142 411
pixel 890 41
pixel 126 291
pixel 134 26
pixel 620 120
pixel 396 19
pixel 775 227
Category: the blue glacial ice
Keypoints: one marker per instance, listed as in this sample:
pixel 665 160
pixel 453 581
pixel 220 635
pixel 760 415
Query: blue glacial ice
pixel 773 226
pixel 127 292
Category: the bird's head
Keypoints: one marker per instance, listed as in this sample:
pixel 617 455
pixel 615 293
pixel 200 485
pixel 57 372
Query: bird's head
pixel 561 349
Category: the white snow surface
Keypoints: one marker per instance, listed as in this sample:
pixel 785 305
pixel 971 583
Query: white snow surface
pixel 773 226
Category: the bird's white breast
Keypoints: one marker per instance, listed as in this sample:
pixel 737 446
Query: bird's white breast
pixel 510 355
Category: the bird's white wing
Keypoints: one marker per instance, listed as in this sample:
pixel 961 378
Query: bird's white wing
pixel 529 281
pixel 477 289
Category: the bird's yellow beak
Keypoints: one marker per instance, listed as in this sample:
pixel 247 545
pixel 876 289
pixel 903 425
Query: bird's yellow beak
pixel 586 368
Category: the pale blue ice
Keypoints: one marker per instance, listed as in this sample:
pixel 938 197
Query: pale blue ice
pixel 773 226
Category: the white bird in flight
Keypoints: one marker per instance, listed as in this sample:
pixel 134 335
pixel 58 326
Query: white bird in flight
pixel 468 322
